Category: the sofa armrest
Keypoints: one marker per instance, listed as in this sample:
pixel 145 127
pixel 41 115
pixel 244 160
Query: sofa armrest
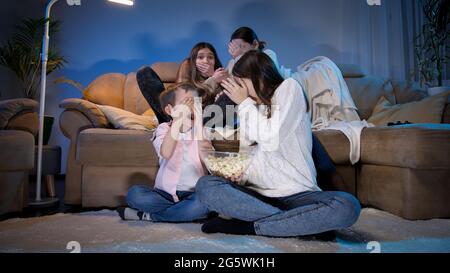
pixel 13 109
pixel 78 115
pixel 88 109
pixel 17 151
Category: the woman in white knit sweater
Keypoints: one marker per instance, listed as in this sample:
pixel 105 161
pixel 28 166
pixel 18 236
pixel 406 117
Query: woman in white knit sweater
pixel 278 195
pixel 244 39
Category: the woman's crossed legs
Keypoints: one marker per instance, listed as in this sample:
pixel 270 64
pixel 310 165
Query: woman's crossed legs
pixel 296 215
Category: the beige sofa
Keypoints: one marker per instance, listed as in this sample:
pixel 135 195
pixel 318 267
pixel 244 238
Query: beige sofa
pixel 404 171
pixel 103 162
pixel 18 128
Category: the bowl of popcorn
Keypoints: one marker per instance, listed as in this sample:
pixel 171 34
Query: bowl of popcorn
pixel 227 164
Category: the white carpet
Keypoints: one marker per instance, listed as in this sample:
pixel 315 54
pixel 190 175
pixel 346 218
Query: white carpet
pixel 104 231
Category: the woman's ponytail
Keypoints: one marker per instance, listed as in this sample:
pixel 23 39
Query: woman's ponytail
pixel 248 35
pixel 262 45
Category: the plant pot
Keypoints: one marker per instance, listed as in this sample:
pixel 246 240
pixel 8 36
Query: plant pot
pixel 438 90
pixel 48 125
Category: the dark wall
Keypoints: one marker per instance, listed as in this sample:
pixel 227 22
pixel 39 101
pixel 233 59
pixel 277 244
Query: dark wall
pixel 100 37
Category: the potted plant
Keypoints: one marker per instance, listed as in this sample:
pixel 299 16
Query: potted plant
pixel 22 55
pixel 432 44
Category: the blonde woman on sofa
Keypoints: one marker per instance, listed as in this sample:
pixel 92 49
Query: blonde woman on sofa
pixel 173 198
pixel 278 194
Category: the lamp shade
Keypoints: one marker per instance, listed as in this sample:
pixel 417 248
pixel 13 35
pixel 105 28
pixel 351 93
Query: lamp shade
pixel 124 2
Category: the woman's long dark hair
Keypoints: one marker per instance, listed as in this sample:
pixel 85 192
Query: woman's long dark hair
pixel 262 71
pixel 188 72
pixel 196 77
pixel 248 35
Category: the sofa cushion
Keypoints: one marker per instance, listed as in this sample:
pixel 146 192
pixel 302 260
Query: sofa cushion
pixel 417 146
pixel 17 150
pixel 428 110
pixel 336 144
pixel 122 119
pixel 113 147
pixel 351 71
pixel 107 89
pixel 167 71
pixel 367 91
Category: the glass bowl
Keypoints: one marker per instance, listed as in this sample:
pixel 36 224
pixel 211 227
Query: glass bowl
pixel 229 165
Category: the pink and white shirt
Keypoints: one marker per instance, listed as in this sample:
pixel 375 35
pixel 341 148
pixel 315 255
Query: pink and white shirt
pixel 184 168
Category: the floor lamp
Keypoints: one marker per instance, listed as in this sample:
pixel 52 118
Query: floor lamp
pixel 39 201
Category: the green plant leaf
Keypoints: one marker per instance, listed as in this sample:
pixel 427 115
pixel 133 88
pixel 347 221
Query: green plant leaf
pixel 22 53
pixel 431 43
pixel 75 84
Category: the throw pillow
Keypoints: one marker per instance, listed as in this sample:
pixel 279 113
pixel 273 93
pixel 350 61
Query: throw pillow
pixel 428 110
pixel 122 119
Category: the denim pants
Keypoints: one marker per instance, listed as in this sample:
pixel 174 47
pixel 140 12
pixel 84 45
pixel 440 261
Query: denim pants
pixel 300 214
pixel 161 206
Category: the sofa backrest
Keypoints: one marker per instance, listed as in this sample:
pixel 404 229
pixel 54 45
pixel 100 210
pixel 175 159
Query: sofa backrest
pixel 366 90
pixel 133 100
pixel 122 91
pixel 106 89
pixel 118 90
pixel 167 71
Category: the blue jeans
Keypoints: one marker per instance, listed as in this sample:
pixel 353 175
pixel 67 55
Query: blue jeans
pixel 300 214
pixel 161 206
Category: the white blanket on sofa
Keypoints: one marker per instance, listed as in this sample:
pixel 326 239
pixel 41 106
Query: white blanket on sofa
pixel 326 90
pixel 352 130
pixel 330 104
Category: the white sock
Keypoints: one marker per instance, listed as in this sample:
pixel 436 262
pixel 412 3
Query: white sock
pixel 131 214
pixel 146 217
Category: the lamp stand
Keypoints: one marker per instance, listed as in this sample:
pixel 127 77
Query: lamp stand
pixel 39 201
